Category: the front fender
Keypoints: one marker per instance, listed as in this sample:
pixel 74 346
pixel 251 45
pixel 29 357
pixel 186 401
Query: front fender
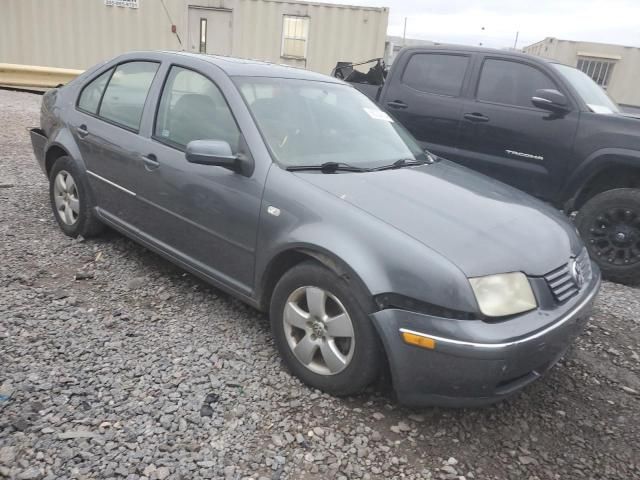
pixel 383 258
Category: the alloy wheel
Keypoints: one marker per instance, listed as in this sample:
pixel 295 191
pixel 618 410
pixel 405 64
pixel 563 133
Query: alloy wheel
pixel 65 194
pixel 615 236
pixel 318 330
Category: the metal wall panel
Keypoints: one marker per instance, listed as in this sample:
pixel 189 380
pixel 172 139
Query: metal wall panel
pixel 80 33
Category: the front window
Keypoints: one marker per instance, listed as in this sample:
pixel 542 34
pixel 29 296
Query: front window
pixel 310 123
pixel 511 83
pixel 594 96
pixel 193 108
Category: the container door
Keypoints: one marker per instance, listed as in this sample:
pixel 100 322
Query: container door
pixel 210 31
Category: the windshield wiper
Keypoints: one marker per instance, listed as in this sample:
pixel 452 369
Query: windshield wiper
pixel 404 162
pixel 329 167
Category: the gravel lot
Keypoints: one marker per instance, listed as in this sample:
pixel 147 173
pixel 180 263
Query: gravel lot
pixel 116 364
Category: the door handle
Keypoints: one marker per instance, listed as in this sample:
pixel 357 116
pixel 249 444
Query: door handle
pixel 476 117
pixel 82 131
pixel 150 162
pixel 397 104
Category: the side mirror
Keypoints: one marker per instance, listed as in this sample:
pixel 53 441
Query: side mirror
pixel 212 152
pixel 551 100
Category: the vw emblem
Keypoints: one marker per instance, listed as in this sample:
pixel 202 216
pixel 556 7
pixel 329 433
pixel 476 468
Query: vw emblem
pixel 576 273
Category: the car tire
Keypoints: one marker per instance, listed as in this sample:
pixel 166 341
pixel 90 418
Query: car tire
pixel 609 223
pixel 312 308
pixel 71 201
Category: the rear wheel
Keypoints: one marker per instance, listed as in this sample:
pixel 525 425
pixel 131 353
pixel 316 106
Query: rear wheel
pixel 321 328
pixel 70 200
pixel 610 225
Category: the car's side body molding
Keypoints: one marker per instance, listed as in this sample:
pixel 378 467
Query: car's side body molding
pixel 113 184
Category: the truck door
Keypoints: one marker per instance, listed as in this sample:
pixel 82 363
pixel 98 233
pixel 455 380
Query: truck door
pixel 506 137
pixel 424 95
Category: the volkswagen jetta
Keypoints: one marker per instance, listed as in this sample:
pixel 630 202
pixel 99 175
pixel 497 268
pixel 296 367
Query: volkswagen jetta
pixel 295 193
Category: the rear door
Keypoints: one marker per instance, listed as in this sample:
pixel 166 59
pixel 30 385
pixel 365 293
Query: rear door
pixel 506 137
pixel 424 95
pixel 106 123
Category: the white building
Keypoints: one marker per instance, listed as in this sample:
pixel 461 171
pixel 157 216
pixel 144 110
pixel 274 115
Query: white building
pixel 614 67
pixel 79 33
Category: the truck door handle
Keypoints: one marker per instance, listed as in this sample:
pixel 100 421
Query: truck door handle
pixel 397 104
pixel 82 131
pixel 476 117
pixel 150 162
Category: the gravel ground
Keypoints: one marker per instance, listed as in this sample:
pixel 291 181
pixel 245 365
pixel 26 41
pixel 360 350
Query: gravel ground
pixel 116 364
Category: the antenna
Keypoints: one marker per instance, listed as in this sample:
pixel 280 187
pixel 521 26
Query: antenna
pixel 404 35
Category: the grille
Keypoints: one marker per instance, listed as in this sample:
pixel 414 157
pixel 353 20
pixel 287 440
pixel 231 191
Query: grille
pixel 562 281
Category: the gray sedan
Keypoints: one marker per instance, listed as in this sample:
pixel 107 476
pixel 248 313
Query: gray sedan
pixel 293 192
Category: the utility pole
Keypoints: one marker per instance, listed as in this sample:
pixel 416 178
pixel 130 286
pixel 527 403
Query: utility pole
pixel 404 35
pixel 515 44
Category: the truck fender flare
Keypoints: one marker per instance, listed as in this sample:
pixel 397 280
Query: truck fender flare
pixel 595 164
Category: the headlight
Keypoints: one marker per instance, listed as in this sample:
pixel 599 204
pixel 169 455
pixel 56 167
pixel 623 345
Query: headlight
pixel 503 294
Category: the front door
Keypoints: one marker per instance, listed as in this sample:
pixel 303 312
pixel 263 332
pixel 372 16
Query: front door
pixel 206 215
pixel 426 99
pixel 210 31
pixel 506 137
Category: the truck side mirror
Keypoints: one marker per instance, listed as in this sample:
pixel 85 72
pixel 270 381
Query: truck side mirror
pixel 551 100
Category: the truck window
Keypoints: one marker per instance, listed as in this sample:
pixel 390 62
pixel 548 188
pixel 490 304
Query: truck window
pixel 436 73
pixel 510 83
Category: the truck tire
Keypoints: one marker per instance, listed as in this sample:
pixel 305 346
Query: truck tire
pixel 71 201
pixel 610 226
pixel 323 332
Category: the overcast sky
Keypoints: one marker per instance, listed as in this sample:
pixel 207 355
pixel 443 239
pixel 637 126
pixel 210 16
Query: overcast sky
pixel 461 21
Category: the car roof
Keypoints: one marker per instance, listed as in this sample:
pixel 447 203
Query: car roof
pixel 484 50
pixel 239 67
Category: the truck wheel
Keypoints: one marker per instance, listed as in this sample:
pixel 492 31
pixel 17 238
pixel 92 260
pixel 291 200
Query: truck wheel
pixel 323 332
pixel 610 226
pixel 70 200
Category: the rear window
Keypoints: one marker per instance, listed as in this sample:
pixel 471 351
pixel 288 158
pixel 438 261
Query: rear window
pixel 124 99
pixel 91 94
pixel 436 73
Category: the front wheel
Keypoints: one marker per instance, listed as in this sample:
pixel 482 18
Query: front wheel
pixel 609 223
pixel 323 332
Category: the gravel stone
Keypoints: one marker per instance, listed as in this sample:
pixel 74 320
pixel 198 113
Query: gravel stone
pixel 155 374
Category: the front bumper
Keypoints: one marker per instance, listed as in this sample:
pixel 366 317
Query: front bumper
pixel 474 362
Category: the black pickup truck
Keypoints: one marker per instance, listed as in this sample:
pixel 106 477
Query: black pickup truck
pixel 543 127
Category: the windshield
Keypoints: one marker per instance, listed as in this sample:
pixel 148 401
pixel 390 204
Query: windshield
pixel 592 94
pixel 310 123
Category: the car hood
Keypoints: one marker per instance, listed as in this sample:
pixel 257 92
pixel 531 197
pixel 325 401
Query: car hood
pixel 634 116
pixel 481 225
